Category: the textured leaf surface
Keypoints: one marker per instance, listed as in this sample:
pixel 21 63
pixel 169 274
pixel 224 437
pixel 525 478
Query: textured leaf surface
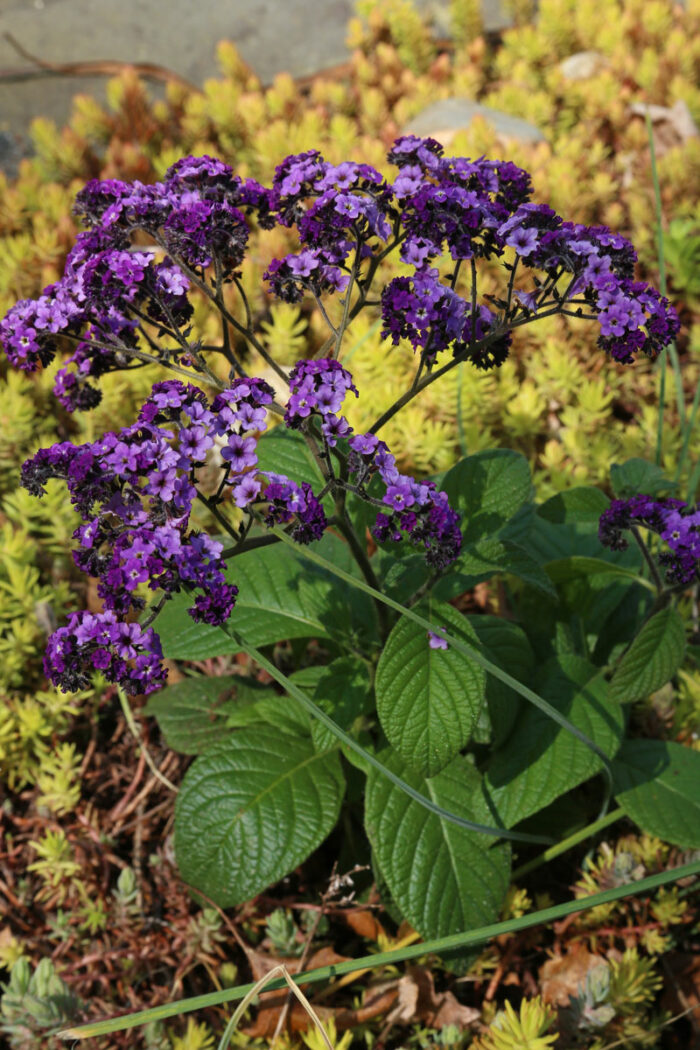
pixel 280 596
pixel 443 878
pixel 540 760
pixel 341 689
pixel 253 808
pixel 285 451
pixel 487 489
pixel 583 504
pixel 637 475
pixel 428 700
pixel 653 658
pixel 506 645
pixel 482 560
pixel 193 714
pixel 562 570
pixel 658 785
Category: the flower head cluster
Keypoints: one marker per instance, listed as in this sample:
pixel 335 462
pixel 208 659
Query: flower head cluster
pixel 135 489
pixel 319 386
pixel 416 509
pixel 350 212
pixel 122 652
pixel 116 290
pixel 110 287
pixel 672 519
pixel 433 317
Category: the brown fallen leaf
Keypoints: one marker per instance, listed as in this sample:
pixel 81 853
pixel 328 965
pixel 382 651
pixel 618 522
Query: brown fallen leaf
pixel 418 1001
pixel 271 1003
pixel 562 976
pixel 364 923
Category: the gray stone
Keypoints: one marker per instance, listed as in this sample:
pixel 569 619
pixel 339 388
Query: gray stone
pixel 442 120
pixel 301 37
pixel 494 14
pixel 582 65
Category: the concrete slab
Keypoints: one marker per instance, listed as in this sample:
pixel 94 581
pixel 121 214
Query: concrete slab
pixel 299 36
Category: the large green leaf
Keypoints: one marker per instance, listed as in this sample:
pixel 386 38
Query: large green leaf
pixel 341 689
pixel 658 785
pixel 487 489
pixel 583 504
pixel 505 644
pixel 285 451
pixel 637 475
pixel 443 878
pixel 280 596
pixel 428 700
pixel 193 714
pixel 253 808
pixel 653 658
pixel 562 570
pixel 480 561
pixel 540 760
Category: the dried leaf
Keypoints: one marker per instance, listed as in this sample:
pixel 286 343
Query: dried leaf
pixel 419 1002
pixel 364 924
pixel 562 976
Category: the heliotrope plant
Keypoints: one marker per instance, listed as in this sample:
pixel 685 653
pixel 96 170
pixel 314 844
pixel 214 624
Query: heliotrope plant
pixel 323 536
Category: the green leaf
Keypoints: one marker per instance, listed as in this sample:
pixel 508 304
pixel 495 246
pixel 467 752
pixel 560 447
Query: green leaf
pixel 251 809
pixel 540 761
pixel 548 542
pixel 653 658
pixel 193 714
pixel 638 476
pixel 487 489
pixel 583 504
pixel 285 451
pixel 443 878
pixel 485 559
pixel 428 700
pixel 273 710
pixel 562 570
pixel 658 785
pixel 343 691
pixel 506 645
pixel 280 596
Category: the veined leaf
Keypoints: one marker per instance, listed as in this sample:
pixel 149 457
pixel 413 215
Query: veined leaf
pixel 657 783
pixel 280 596
pixel 192 714
pixel 540 761
pixel 443 878
pixel 428 700
pixel 653 658
pixel 253 808
pixel 488 489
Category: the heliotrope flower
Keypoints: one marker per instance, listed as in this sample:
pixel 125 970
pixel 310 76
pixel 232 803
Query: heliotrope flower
pixel 673 520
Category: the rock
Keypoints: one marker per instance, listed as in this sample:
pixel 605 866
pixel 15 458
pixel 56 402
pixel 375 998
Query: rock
pixel 671 125
pixel 442 120
pixel 582 65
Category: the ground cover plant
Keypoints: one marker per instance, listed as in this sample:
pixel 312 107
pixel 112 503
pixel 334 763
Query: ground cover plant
pixel 319 526
pixel 568 410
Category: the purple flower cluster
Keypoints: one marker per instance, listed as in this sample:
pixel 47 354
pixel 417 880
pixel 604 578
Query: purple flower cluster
pixel 350 211
pixel 415 508
pixel 135 489
pixel 432 316
pixel 345 215
pixel 673 520
pixel 122 652
pixel 110 287
pixel 318 388
pixel 479 209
